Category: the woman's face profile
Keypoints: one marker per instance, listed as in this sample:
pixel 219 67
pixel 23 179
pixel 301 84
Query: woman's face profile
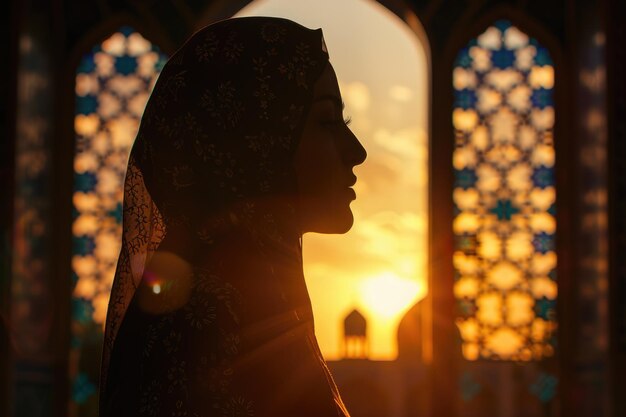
pixel 326 155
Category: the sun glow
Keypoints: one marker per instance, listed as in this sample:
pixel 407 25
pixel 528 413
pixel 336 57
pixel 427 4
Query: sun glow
pixel 388 295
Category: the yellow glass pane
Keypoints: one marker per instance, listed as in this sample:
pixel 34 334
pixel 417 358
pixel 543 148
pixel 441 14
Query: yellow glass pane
pixel 504 125
pixel 504 275
pixel 489 309
pixel 541 77
pixel 542 264
pixel 464 157
pixel 514 38
pixel 108 105
pixel 85 201
pixel 85 224
pixel 470 351
pixel 107 246
pixel 466 287
pixel 505 342
pixel 84 265
pixel 86 125
pixel 519 98
pixel 542 119
pixel 466 223
pixel 543 155
pixel 524 57
pixel 464 78
pixel 469 329
pixel 466 199
pixel 488 178
pixel 543 222
pixel 503 156
pixel 488 100
pixel 543 287
pixel 123 130
pixel 137 104
pixel 489 246
pixel 503 79
pixel 105 64
pixel 115 44
pixel 490 39
pixel 86 84
pixel 466 264
pixel 85 161
pixel 542 199
pixel 519 308
pixel 138 45
pixel 481 58
pixel 527 137
pixel 518 178
pixel 519 246
pixel 480 137
pixel 464 120
pixel 85 287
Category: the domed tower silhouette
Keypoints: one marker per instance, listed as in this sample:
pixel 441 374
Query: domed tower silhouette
pixel 411 334
pixel 355 344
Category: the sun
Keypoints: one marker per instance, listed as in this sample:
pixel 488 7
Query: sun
pixel 387 295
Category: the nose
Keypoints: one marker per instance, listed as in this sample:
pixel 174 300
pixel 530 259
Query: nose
pixel 354 152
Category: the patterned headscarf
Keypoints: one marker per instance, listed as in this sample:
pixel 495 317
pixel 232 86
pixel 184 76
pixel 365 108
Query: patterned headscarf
pixel 213 162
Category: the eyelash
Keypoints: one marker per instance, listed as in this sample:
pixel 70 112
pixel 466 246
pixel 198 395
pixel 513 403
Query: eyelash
pixel 345 122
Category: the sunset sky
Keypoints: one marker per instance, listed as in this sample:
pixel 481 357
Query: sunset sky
pixel 379 267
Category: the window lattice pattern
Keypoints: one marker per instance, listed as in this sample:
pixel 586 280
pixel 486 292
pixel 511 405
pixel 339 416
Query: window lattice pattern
pixel 504 196
pixel 113 83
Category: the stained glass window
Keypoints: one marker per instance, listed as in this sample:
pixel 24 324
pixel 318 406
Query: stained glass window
pixel 113 83
pixel 504 196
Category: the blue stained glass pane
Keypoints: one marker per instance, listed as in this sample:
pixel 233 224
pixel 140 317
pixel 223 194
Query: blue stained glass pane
pixel 82 310
pixel 543 242
pixel 552 275
pixel 463 59
pixel 541 98
pixel 467 243
pixel 116 213
pixel 83 245
pixel 469 386
pixel 466 307
pixel 552 209
pixel 82 388
pixel 543 56
pixel 503 58
pixel 543 177
pixel 465 99
pixel 74 278
pixel 504 210
pixel 126 30
pixel 86 65
pixel 465 178
pixel 545 308
pixel 85 182
pixel 126 65
pixel 544 387
pixel 86 105
pixel 502 25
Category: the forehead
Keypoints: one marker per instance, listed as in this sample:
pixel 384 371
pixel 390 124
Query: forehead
pixel 327 83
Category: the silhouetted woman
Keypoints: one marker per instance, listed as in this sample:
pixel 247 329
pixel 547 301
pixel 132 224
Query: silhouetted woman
pixel 242 148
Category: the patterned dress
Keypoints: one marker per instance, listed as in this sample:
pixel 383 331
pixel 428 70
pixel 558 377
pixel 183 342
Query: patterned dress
pixel 209 312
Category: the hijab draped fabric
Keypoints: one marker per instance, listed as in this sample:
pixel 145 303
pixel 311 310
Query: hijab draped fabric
pixel 209 313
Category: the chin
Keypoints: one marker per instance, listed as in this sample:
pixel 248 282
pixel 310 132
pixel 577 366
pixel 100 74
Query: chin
pixel 339 222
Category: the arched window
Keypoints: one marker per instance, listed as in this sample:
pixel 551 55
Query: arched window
pixel 113 83
pixel 380 266
pixel 504 196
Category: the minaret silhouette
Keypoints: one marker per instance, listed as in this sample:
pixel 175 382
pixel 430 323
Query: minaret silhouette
pixel 355 345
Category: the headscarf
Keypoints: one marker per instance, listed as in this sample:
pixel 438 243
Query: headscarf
pixel 211 170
